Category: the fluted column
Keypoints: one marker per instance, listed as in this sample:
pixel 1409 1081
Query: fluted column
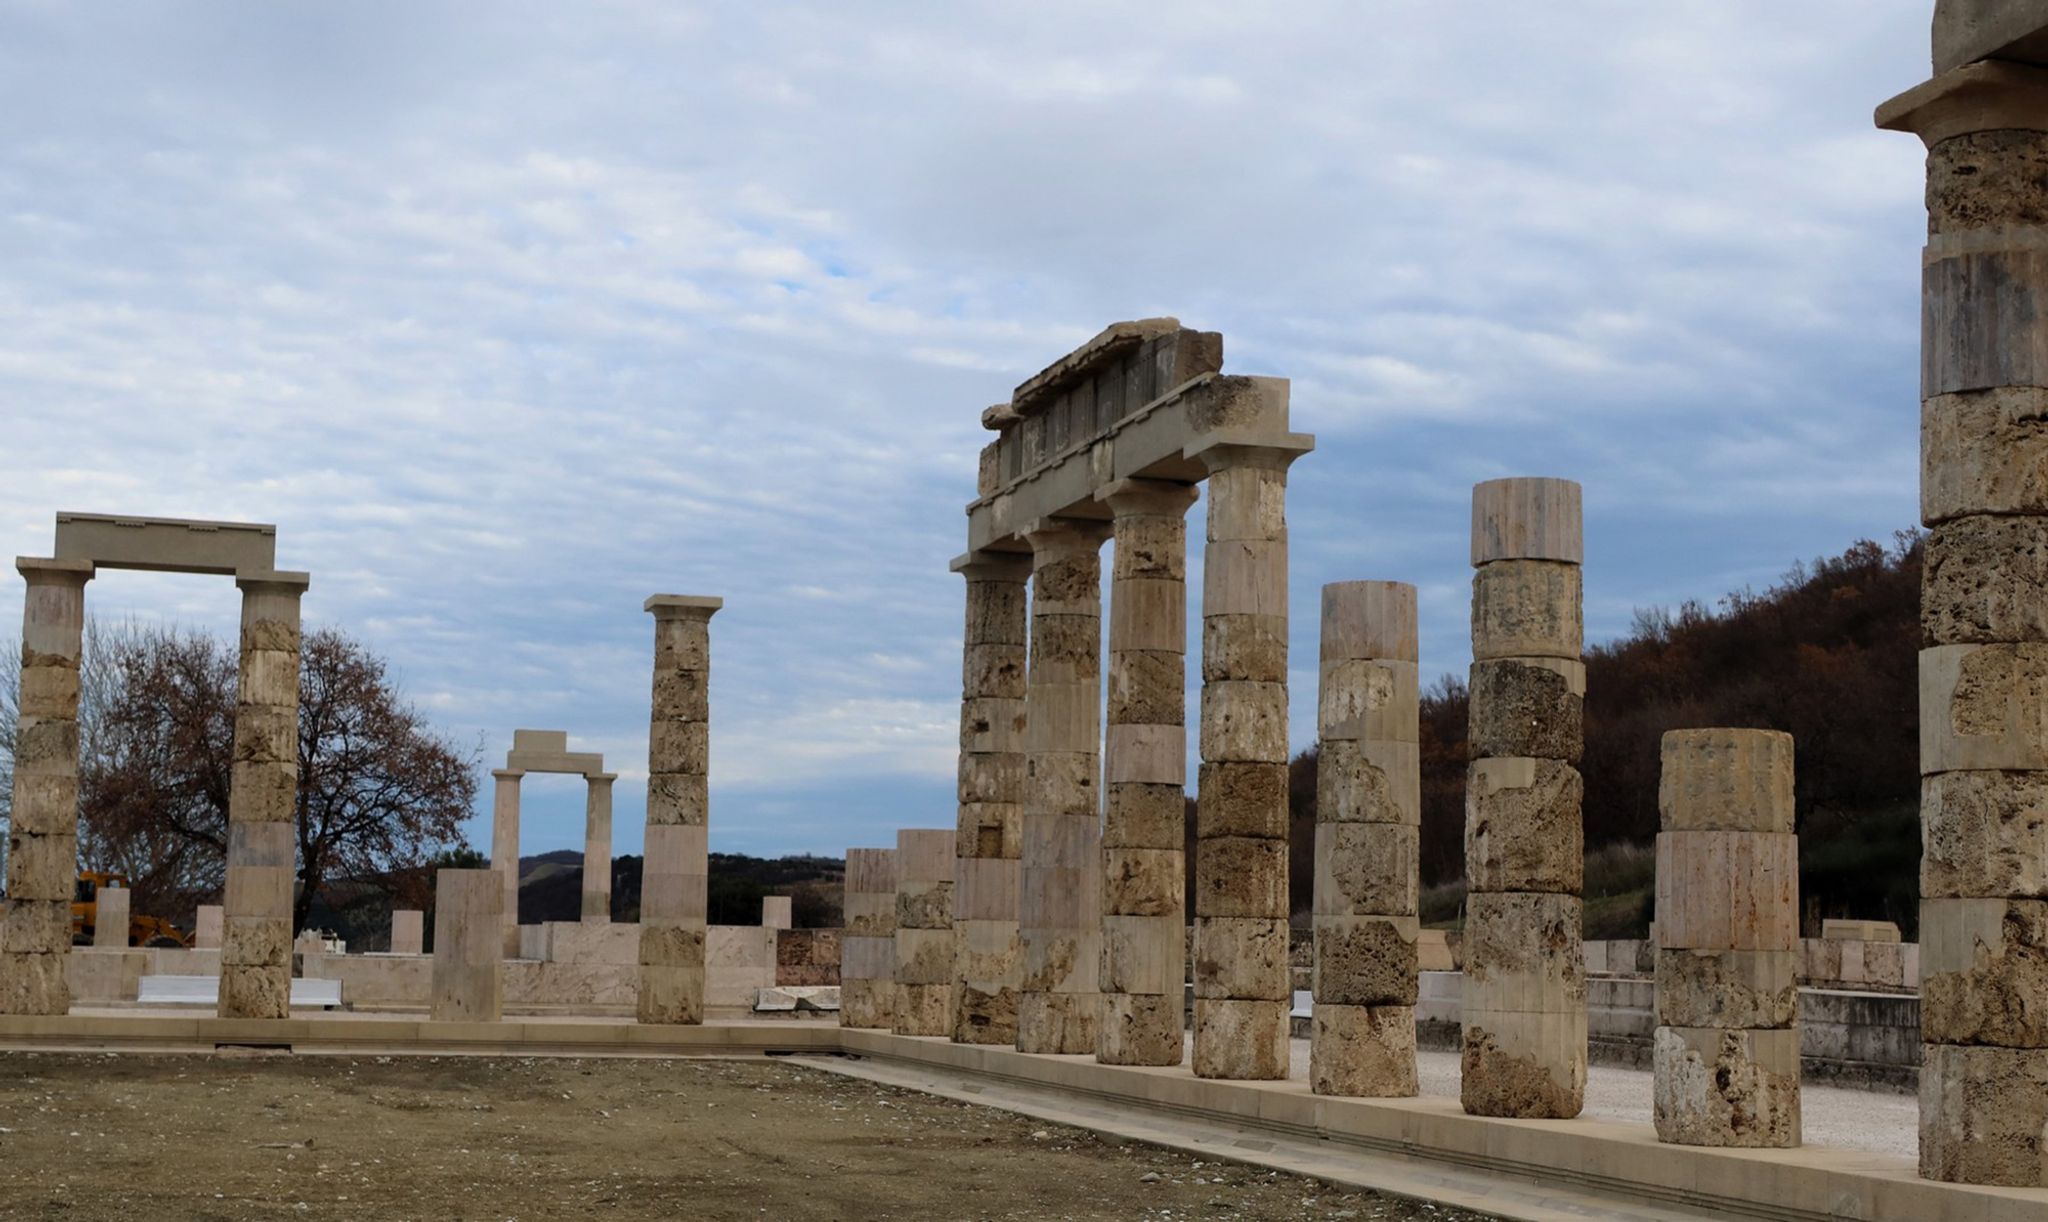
pixel 505 854
pixel 988 961
pixel 1060 879
pixel 1368 823
pixel 597 847
pixel 867 949
pixel 1144 871
pixel 1525 967
pixel 1984 615
pixel 676 864
pixel 42 858
pixel 1243 984
pixel 256 942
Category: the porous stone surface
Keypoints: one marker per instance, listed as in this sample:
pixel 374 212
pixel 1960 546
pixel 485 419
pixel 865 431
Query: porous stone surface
pixel 1984 972
pixel 1363 869
pixel 1242 798
pixel 1984 579
pixel 1525 952
pixel 1726 780
pixel 1984 452
pixel 866 1003
pixel 1984 707
pixel 1520 708
pixel 1723 1087
pixel 1988 179
pixel 1363 1051
pixel 1984 1114
pixel 1365 961
pixel 1523 1065
pixel 1523 830
pixel 1527 608
pixel 1141 1029
pixel 1248 1039
pixel 1984 834
pixel 1244 957
pixel 1727 988
pixel 255 990
pixel 32 982
pixel 1367 782
pixel 922 1009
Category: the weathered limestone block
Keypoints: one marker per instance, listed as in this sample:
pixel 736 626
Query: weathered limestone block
pixel 1241 876
pixel 676 799
pixel 255 941
pixel 1984 452
pixel 32 982
pixel 1984 972
pixel 1368 699
pixel 1144 882
pixel 1367 782
pixel 34 927
pixel 1146 816
pixel 1241 1040
pixel 1727 890
pixel 1365 869
pixel 994 669
pixel 996 615
pixel 49 691
pixel 991 723
pixel 990 831
pixel 991 778
pixel 1365 961
pixel 1065 649
pixel 1727 988
pixel 45 804
pixel 924 956
pixel 1137 959
pixel 1251 648
pixel 1140 1028
pixel 1984 707
pixel 1363 1051
pixel 46 744
pixel 1523 830
pixel 1147 687
pixel 866 1003
pixel 669 945
pixel 1984 579
pixel 1241 957
pixel 1245 577
pixel 1528 609
pixel 1524 708
pixel 1984 833
pixel 1525 953
pixel 671 994
pixel 1726 780
pixel 1523 1064
pixel 1243 720
pixel 1725 1087
pixel 1242 799
pixel 1056 1023
pixel 42 867
pixel 923 904
pixel 1984 1115
pixel 682 695
pixel 255 990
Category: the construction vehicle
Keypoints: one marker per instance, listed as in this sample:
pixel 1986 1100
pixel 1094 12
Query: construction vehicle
pixel 142 930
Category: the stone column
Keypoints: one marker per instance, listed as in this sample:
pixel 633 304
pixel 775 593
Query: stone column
pixel 1525 969
pixel 1144 869
pixel 1243 985
pixel 407 926
pixel 1060 878
pixel 207 924
pixel 672 888
pixel 505 854
pixel 256 942
pixel 1727 1044
pixel 1368 828
pixel 988 961
pixel 1984 619
pixel 867 950
pixel 110 918
pixel 923 1003
pixel 597 848
pixel 42 840
pixel 469 970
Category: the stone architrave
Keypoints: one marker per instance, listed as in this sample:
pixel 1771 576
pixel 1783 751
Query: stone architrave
pixel 1726 1053
pixel 469 971
pixel 867 950
pixel 110 918
pixel 1243 985
pixel 505 853
pixel 42 835
pixel 675 873
pixel 923 1001
pixel 990 835
pixel 597 848
pixel 1524 1005
pixel 1060 872
pixel 256 943
pixel 408 929
pixel 1368 821
pixel 1984 595
pixel 1144 870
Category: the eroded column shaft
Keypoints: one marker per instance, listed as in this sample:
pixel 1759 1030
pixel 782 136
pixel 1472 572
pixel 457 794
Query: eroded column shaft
pixel 597 848
pixel 923 1000
pixel 42 834
pixel 676 863
pixel 1060 875
pixel 1727 1044
pixel 989 841
pixel 256 940
pixel 867 950
pixel 1524 1004
pixel 1243 984
pixel 1368 823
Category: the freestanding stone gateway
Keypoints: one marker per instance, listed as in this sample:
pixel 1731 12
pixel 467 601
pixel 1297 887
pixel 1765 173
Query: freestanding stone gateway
pixel 1984 593
pixel 674 875
pixel 469 971
pixel 990 831
pixel 1726 1051
pixel 1144 895
pixel 1368 827
pixel 1525 969
pixel 867 950
pixel 923 1001
pixel 547 751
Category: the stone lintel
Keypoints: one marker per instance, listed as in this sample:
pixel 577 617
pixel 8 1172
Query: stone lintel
pixel 1112 341
pixel 1990 96
pixel 167 545
pixel 682 606
pixel 1969 30
pixel 573 763
pixel 1221 448
pixel 45 570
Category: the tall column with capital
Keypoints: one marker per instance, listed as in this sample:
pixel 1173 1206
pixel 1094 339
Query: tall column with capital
pixel 989 840
pixel 42 857
pixel 256 941
pixel 505 853
pixel 1060 876
pixel 1144 872
pixel 1983 606
pixel 676 862
pixel 1243 984
pixel 597 847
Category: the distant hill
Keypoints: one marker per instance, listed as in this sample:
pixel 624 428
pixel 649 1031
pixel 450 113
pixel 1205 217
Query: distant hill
pixel 551 888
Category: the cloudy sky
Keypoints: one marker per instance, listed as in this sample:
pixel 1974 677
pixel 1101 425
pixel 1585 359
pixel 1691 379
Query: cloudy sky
pixel 509 315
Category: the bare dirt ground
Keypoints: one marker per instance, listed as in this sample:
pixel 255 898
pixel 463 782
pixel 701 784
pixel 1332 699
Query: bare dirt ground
pixel 164 1137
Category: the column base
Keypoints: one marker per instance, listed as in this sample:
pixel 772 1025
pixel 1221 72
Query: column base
pixel 1141 1029
pixel 1365 1052
pixel 1057 1024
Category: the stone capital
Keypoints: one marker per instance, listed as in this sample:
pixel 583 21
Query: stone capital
pixel 993 566
pixel 41 571
pixel 682 606
pixel 274 582
pixel 600 779
pixel 507 774
pixel 1224 449
pixel 1058 536
pixel 1981 97
pixel 1147 497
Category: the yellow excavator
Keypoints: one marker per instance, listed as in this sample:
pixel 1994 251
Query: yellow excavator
pixel 142 930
